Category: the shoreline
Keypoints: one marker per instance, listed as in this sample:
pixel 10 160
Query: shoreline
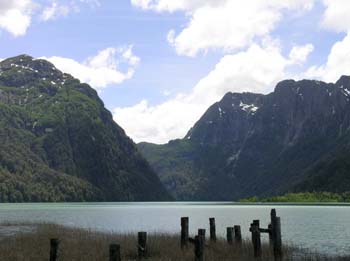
pixel 182 203
pixel 89 244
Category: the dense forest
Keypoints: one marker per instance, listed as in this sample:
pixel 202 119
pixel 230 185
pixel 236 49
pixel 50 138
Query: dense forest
pixel 59 143
pixel 294 139
pixel 312 197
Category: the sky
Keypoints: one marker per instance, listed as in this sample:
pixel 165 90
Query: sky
pixel 159 64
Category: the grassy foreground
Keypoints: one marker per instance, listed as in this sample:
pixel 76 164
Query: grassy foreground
pixel 86 245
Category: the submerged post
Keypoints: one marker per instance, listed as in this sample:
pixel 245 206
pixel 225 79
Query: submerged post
pixel 229 235
pixel 238 234
pixel 184 232
pixel 142 245
pixel 212 229
pixel 54 243
pixel 114 252
pixel 256 238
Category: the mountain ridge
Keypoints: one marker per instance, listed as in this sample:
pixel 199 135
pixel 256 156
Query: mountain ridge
pixel 259 145
pixel 61 144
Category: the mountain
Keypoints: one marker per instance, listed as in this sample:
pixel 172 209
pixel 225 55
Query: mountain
pixel 296 138
pixel 59 143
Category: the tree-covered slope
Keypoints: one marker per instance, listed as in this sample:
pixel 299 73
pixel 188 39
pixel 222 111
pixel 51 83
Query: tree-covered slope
pixel 59 143
pixel 294 139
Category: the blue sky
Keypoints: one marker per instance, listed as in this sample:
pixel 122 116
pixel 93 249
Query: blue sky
pixel 158 64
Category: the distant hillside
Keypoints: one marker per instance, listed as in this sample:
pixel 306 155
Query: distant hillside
pixel 306 197
pixel 59 143
pixel 294 139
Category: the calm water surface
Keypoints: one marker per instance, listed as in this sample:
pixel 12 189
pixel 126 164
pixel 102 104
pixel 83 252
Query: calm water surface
pixel 325 228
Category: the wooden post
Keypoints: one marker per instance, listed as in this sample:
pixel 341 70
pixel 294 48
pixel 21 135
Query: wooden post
pixel 270 235
pixel 271 227
pixel 142 245
pixel 238 234
pixel 212 229
pixel 256 238
pixel 277 239
pixel 273 214
pixel 273 220
pixel 114 252
pixel 201 233
pixel 184 232
pixel 54 243
pixel 229 235
pixel 199 248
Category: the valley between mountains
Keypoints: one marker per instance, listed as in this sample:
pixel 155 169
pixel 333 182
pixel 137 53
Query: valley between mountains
pixel 59 143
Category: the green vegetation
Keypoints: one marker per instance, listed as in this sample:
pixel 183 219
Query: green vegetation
pixel 59 143
pixel 89 245
pixel 174 166
pixel 312 197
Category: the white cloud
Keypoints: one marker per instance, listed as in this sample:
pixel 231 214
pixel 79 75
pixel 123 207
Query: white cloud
pixel 299 54
pixel 101 70
pixel 54 11
pixel 224 24
pixel 172 6
pixel 256 70
pixel 15 16
pixel 338 62
pixel 336 16
pixel 59 9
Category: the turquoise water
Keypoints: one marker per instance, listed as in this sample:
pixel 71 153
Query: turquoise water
pixel 325 228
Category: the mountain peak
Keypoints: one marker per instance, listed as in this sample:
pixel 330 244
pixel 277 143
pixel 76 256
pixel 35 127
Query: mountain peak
pixel 252 144
pixel 59 142
pixel 344 81
pixel 28 63
pixel 24 70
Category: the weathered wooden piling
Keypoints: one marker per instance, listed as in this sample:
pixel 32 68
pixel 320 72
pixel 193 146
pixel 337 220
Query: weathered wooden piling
pixel 114 252
pixel 184 232
pixel 270 235
pixel 277 239
pixel 199 243
pixel 273 214
pixel 201 233
pixel 212 229
pixel 54 244
pixel 142 245
pixel 229 234
pixel 256 238
pixel 238 234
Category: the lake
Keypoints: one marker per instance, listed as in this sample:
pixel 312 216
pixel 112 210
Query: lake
pixel 325 228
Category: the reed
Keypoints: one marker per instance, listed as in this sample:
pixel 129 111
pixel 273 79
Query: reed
pixel 85 245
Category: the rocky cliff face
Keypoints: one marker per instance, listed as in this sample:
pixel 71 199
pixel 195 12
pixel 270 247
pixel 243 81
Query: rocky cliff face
pixel 250 144
pixel 59 143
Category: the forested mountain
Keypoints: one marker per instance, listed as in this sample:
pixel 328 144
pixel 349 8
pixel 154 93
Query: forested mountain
pixel 59 143
pixel 296 138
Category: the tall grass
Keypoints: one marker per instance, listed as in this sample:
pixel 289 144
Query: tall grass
pixel 85 245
